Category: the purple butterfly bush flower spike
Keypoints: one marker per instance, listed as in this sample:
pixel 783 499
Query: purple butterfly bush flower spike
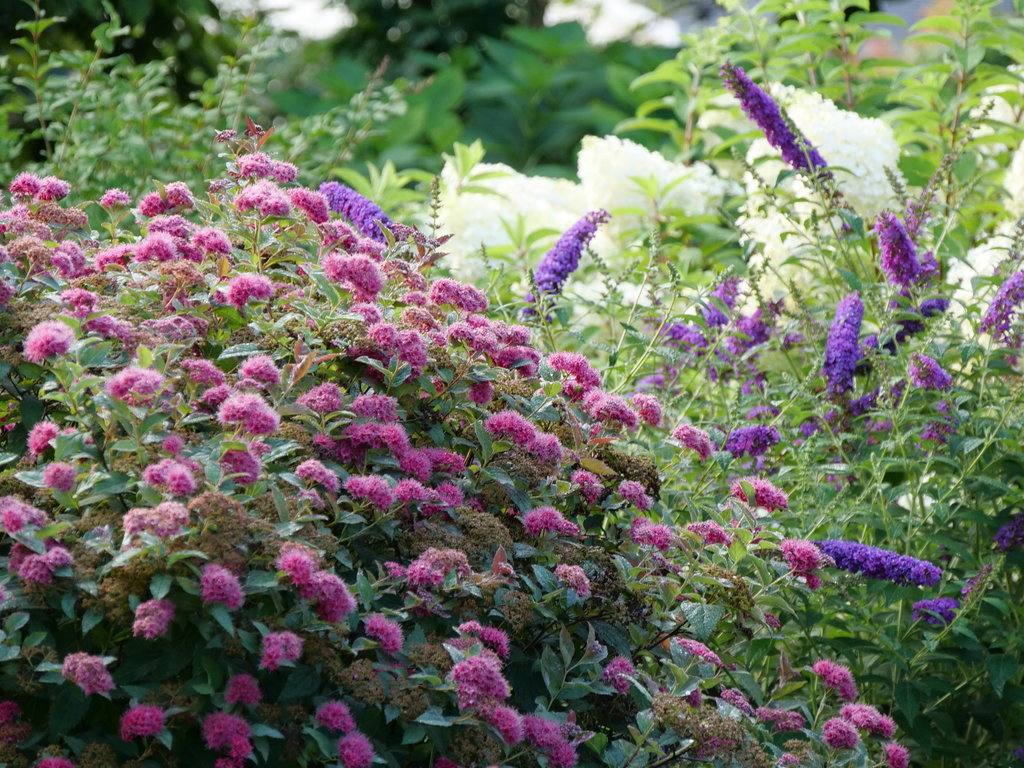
pixel 944 607
pixel 563 259
pixel 726 292
pixel 842 352
pixel 899 257
pixel 363 213
pixel 762 109
pixel 878 563
pixel 999 318
pixel 926 373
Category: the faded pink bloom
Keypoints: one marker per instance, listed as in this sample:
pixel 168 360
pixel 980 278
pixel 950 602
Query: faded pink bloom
pixel 16 514
pixel 575 577
pixel 163 521
pixel 88 672
pixel 492 638
pixel 152 618
pixel 480 392
pixel 712 532
pixel 48 339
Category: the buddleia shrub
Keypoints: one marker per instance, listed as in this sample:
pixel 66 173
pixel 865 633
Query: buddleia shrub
pixel 274 494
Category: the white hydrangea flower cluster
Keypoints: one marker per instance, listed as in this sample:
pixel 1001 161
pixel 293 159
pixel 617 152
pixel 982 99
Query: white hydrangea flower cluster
pixel 1001 104
pixel 858 149
pixel 980 261
pixel 1013 182
pixel 495 200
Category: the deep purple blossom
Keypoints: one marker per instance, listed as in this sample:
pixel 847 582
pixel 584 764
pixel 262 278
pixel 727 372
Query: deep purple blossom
pixel 363 213
pixel 878 563
pixel 726 292
pixel 1011 535
pixel 926 373
pixel 563 259
pixel 754 440
pixel 944 607
pixel 759 107
pixel 899 258
pixel 842 352
pixel 999 317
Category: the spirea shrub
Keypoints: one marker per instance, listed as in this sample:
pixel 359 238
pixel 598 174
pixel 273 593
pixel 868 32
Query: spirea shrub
pixel 274 493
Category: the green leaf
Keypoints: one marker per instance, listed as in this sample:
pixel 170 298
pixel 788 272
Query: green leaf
pixel 434 716
pixel 160 585
pixel 221 615
pixel 703 618
pixel 1002 668
pixel 91 619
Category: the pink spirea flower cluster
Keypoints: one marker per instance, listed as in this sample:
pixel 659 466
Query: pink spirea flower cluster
pixel 88 672
pixel 250 412
pixel 547 736
pixel 837 677
pixel 738 700
pixel 141 720
pixel 867 718
pixel 548 520
pixel 611 410
pixel 491 638
pixel 136 386
pixel 243 689
pixel 248 287
pixel 335 715
pixel 710 531
pixel 387 632
pixel 765 493
pixel 60 476
pixel 323 398
pixel 219 585
pixel 455 294
pixel 355 750
pixel 657 535
pixel 430 569
pixel 648 407
pixel 804 558
pixel 507 722
pixel 590 485
pixel 153 618
pixel 40 436
pixel 172 476
pixel 49 338
pixel 379 408
pixel 616 672
pixel 280 648
pixel 479 682
pixel 573 576
pixel 313 470
pixel 265 197
pixel 260 369
pixel 372 489
pixel 226 732
pixel 695 439
pixel 357 274
pixel 635 494
pixel 896 755
pixel 839 734
pixel 585 378
pixel 38 569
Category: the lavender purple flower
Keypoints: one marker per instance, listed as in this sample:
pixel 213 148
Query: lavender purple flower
pixel 1011 535
pixel 944 607
pixel 755 440
pixel 878 563
pixel 842 353
pixel 563 259
pixel 759 107
pixel 726 292
pixel 899 258
pixel 926 373
pixel 999 317
pixel 363 213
